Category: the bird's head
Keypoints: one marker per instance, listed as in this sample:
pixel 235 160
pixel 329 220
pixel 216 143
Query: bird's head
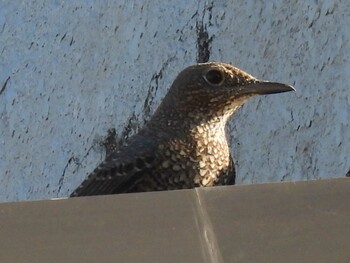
pixel 214 90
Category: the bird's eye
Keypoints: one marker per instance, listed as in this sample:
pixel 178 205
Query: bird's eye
pixel 214 77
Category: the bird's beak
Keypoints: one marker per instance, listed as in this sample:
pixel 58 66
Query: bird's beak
pixel 266 87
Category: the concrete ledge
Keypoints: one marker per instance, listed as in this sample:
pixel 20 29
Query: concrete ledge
pixel 281 222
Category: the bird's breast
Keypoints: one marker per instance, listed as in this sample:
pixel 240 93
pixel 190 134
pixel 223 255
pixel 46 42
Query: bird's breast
pixel 212 153
pixel 192 162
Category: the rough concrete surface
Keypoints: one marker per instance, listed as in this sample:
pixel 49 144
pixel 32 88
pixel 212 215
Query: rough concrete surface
pixel 78 78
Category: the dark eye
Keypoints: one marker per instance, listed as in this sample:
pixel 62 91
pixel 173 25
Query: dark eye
pixel 214 77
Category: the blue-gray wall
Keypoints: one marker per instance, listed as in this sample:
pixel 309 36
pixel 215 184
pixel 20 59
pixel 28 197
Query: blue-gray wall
pixel 71 73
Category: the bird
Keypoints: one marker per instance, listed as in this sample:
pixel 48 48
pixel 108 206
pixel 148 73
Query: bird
pixel 184 144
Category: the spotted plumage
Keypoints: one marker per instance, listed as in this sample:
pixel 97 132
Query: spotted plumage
pixel 184 144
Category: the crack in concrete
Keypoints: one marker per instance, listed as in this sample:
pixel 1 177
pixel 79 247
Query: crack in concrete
pixel 152 89
pixel 60 181
pixel 4 85
pixel 78 164
pixel 131 128
pixel 3 28
pixel 203 39
pixel 110 142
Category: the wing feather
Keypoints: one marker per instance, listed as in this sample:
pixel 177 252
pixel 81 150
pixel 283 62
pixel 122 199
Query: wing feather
pixel 121 170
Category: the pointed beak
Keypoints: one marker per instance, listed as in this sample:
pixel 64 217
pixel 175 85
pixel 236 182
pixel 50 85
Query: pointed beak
pixel 265 88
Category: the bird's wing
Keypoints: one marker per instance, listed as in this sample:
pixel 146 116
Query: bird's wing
pixel 121 170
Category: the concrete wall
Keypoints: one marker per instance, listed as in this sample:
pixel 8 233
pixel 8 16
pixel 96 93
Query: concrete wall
pixel 77 79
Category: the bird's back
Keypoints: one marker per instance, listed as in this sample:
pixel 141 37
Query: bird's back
pixel 123 169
